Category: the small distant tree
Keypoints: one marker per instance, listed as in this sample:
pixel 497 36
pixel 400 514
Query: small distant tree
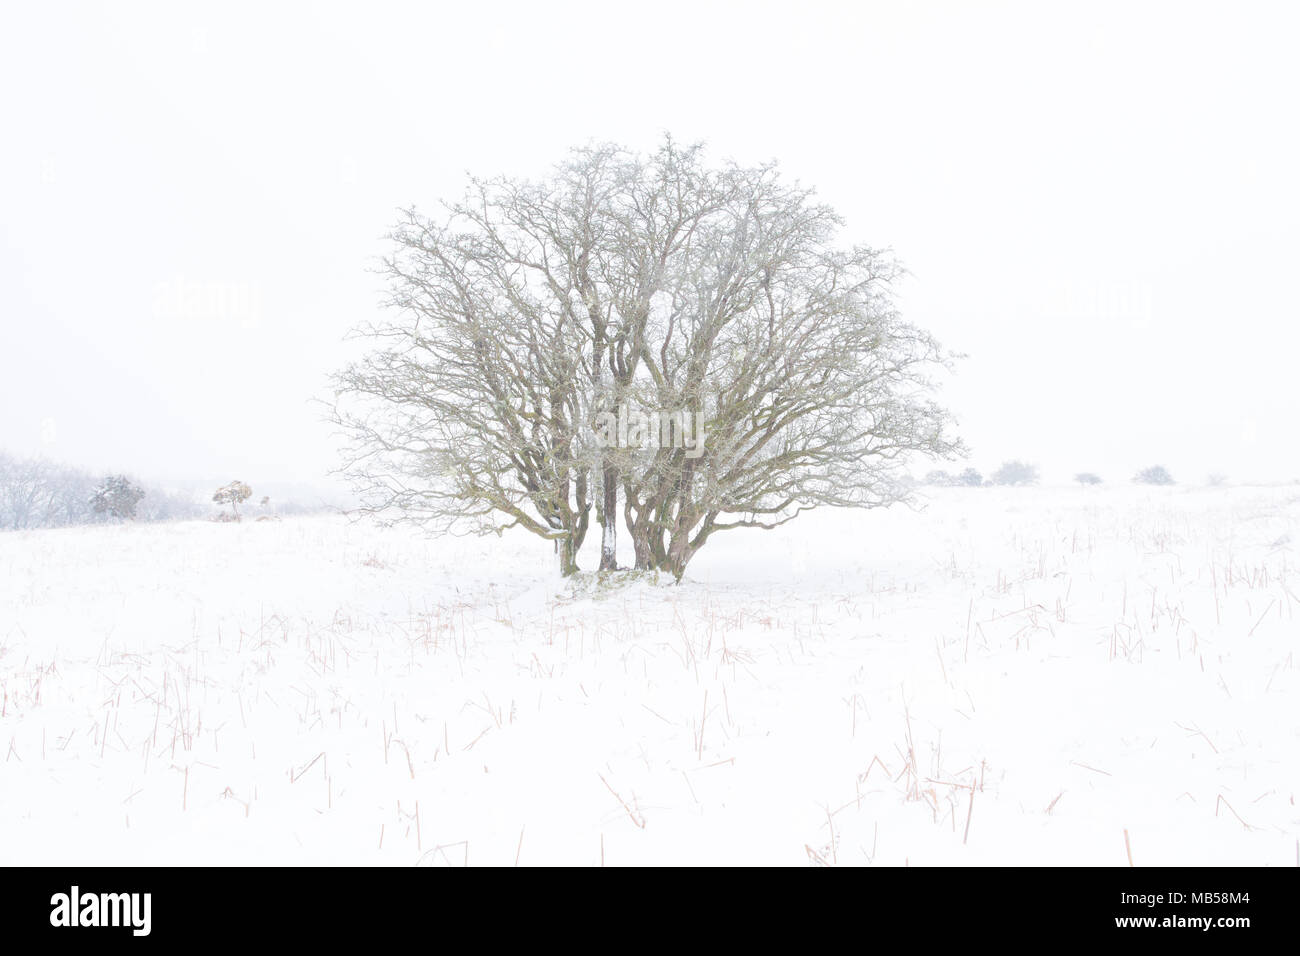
pixel 1016 473
pixel 1087 478
pixel 1155 475
pixel 233 494
pixel 117 496
pixel 939 478
pixel 1216 479
pixel 970 478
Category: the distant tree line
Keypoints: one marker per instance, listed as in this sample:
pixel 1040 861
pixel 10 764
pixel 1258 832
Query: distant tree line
pixel 37 493
pixel 1009 473
pixel 1022 473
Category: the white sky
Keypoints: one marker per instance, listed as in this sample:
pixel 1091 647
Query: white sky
pixel 1099 204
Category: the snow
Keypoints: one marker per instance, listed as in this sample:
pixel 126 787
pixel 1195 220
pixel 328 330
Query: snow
pixel 1004 676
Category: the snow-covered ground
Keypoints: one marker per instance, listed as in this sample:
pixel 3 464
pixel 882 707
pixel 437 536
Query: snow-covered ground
pixel 1009 676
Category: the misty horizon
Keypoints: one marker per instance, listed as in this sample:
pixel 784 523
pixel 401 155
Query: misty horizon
pixel 191 225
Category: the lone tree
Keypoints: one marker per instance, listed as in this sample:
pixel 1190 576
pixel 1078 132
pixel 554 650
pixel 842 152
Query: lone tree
pixel 116 496
pixel 233 494
pixel 1087 478
pixel 1155 475
pixel 532 321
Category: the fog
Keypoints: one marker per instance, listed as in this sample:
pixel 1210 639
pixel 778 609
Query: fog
pixel 1099 208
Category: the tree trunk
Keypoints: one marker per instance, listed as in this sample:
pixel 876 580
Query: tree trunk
pixel 609 520
pixel 568 555
pixel 681 546
pixel 639 528
pixel 679 555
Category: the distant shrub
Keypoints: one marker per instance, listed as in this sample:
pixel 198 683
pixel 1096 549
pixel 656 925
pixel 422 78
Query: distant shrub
pixel 1217 479
pixel 1155 475
pixel 118 496
pixel 1015 473
pixel 940 478
pixel 1087 478
pixel 970 478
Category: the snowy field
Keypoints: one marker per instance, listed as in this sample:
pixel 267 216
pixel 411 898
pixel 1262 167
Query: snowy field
pixel 1036 676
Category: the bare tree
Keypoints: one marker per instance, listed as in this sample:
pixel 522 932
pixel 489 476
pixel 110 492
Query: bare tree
pixel 536 314
pixel 28 492
pixel 36 493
